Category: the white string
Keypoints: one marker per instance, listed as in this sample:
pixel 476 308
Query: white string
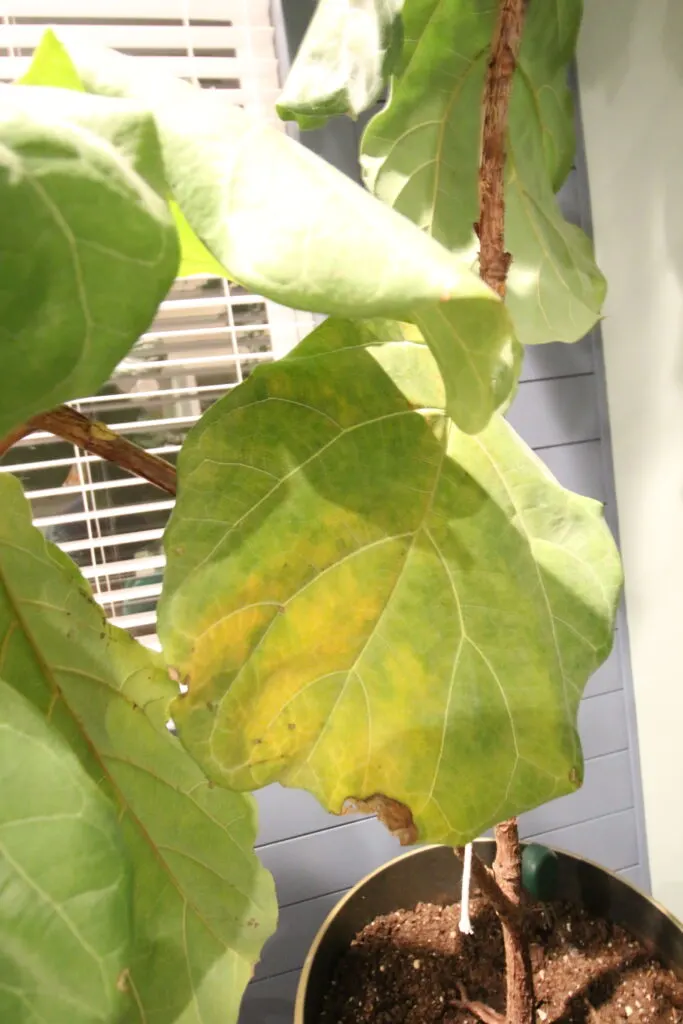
pixel 186 19
pixel 465 922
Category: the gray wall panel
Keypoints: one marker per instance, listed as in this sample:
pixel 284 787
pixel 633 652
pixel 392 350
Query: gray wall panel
pixel 270 1001
pixel 608 677
pixel 287 812
pixel 636 875
pixel 323 862
pixel 559 411
pixel 578 467
pixel 602 724
pixel 298 924
pixel 607 788
pixel 610 841
pixel 558 360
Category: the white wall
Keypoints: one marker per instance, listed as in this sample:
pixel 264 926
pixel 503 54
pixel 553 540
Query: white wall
pixel 631 82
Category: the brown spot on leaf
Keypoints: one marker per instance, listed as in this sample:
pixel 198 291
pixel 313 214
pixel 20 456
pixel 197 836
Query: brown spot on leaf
pixel 291 726
pixel 392 813
pixel 122 980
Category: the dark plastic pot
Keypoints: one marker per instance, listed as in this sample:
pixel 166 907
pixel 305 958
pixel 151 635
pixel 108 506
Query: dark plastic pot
pixel 432 874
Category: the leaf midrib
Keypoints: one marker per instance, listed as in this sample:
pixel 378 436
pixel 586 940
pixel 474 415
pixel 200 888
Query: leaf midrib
pixel 54 685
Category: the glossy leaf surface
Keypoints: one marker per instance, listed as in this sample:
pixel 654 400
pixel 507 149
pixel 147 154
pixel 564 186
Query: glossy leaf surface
pixel 202 904
pixel 88 245
pixel 65 922
pixel 287 225
pixel 373 605
pixel 343 62
pixel 421 154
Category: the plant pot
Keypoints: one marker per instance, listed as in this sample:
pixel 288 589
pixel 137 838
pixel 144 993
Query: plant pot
pixel 432 874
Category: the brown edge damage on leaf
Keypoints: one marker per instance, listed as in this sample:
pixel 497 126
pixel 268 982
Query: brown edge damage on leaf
pixel 392 813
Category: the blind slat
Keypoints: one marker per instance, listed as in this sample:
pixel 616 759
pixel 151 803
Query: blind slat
pixel 213 305
pixel 27 467
pixel 130 565
pixel 86 488
pixel 131 621
pixel 133 37
pixel 253 12
pixel 150 640
pixel 104 513
pixel 137 537
pixel 97 401
pixel 129 594
pixel 206 68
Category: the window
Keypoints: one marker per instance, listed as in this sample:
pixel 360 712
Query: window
pixel 208 334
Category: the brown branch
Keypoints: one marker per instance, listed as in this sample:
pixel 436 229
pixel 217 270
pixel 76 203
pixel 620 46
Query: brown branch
pixel 503 886
pixel 99 439
pixel 480 1010
pixel 507 871
pixel 14 437
pixel 494 261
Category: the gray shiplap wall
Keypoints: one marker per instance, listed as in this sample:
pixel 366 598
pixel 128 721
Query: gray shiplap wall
pixel 561 412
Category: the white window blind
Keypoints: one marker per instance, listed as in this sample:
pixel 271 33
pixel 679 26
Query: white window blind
pixel 208 334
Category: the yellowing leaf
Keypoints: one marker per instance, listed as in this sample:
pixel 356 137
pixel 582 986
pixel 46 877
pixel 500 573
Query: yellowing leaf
pixel 371 604
pixel 202 904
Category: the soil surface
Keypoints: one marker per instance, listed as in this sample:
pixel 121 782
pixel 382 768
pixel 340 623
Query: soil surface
pixel 405 967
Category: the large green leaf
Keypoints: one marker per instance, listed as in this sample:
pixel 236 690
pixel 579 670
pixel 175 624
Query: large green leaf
pixel 369 603
pixel 88 244
pixel 65 882
pixel 344 60
pixel 421 154
pixel 202 904
pixel 287 225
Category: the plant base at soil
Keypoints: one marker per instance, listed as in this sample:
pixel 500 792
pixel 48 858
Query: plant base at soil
pixel 405 968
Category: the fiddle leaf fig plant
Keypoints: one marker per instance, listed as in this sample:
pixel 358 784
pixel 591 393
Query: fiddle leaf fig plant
pixel 373 589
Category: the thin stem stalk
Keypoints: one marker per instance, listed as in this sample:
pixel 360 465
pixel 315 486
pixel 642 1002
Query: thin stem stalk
pixel 503 886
